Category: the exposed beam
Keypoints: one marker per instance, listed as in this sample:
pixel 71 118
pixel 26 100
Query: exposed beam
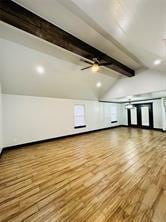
pixel 21 18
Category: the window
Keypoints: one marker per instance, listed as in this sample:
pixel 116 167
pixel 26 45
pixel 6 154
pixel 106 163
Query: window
pixel 79 116
pixel 114 118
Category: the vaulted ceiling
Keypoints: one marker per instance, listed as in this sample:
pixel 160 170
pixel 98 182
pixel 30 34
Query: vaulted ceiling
pixel 139 25
pixel 121 29
pixel 80 25
pixel 131 31
pixel 21 53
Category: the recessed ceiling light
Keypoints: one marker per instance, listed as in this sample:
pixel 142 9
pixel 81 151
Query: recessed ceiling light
pixel 98 85
pixel 157 62
pixel 40 70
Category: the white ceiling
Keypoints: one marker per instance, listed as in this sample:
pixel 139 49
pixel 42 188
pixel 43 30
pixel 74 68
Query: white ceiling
pixel 76 22
pixel 136 28
pixel 22 52
pixel 141 97
pixel 139 25
pixel 121 29
pixel 145 81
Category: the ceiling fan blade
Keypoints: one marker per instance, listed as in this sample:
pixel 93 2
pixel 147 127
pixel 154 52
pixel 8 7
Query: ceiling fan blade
pixel 83 60
pixel 86 68
pixel 105 63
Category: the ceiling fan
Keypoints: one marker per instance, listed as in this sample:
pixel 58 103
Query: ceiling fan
pixel 95 65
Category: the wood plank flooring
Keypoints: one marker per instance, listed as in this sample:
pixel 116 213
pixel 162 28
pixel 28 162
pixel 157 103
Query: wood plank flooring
pixel 108 176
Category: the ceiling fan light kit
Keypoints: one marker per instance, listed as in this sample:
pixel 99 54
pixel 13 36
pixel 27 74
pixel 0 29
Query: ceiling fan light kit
pixel 95 67
pixel 129 105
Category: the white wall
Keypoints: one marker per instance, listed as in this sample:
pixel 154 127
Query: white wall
pixel 164 113
pixel 144 82
pixel 28 118
pixel 1 142
pixel 157 113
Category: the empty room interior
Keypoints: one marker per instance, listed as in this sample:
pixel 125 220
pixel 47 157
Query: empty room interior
pixel 83 111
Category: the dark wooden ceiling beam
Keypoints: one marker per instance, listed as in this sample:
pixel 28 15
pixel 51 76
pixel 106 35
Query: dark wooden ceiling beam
pixel 21 18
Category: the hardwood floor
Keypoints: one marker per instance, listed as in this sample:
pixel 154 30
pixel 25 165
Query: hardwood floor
pixel 113 175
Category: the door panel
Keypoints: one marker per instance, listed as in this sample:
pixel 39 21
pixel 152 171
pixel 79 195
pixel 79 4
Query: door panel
pixel 145 115
pixel 134 116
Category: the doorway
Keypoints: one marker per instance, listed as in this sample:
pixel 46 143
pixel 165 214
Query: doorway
pixel 141 116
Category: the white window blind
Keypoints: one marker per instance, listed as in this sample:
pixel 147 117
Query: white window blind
pixel 79 115
pixel 114 117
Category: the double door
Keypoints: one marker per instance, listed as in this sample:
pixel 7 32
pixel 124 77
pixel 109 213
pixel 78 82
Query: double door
pixel 141 116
